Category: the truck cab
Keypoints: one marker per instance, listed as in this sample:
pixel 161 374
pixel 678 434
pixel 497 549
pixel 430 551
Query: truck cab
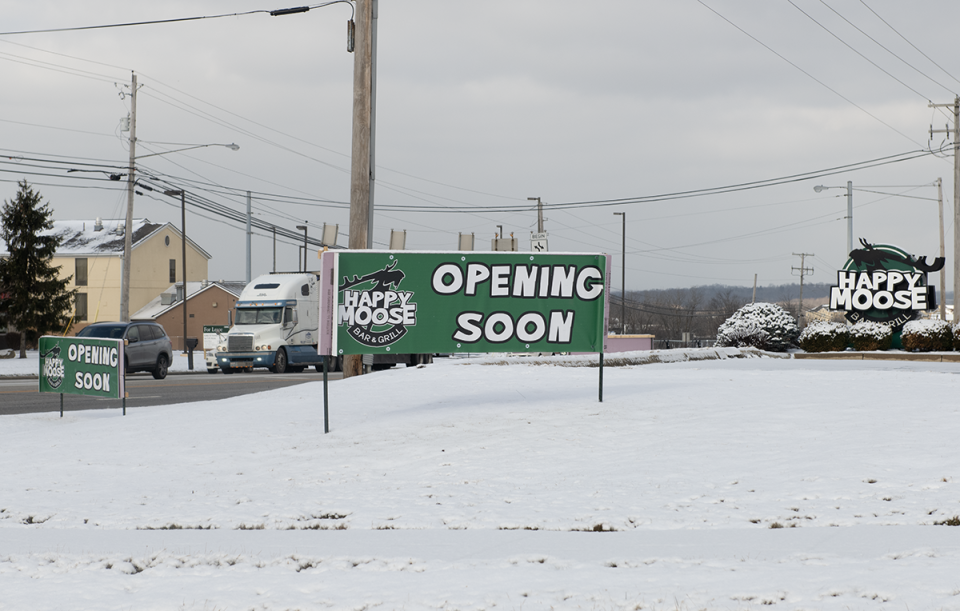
pixel 275 325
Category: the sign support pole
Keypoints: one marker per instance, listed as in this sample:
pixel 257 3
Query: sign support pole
pixel 61 405
pixel 601 377
pixel 326 412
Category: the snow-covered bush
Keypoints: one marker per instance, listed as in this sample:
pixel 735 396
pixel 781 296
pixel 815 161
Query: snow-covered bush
pixel 762 325
pixel 956 336
pixel 866 335
pixel 824 336
pixel 927 335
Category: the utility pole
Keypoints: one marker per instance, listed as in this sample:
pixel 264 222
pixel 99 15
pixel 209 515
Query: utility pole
pixel 956 193
pixel 539 213
pixel 249 233
pixel 623 273
pixel 128 224
pixel 803 270
pixel 373 116
pixel 943 272
pixel 754 300
pixel 849 217
pixel 361 156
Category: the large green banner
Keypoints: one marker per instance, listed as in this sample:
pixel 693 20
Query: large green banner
pixel 424 302
pixel 82 366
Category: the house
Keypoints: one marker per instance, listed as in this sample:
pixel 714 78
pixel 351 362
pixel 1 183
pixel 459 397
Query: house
pixel 92 253
pixel 208 303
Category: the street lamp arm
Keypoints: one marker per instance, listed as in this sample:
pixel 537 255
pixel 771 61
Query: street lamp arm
pixel 232 146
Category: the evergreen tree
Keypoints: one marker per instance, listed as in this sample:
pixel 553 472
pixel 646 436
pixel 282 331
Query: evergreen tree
pixel 36 300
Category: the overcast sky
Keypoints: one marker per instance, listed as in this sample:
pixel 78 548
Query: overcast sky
pixel 484 104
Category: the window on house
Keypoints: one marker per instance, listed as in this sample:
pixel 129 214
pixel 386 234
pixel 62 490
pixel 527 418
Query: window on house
pixel 80 277
pixel 173 270
pixel 81 306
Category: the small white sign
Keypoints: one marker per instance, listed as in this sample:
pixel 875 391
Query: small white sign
pixel 538 242
pixel 213 335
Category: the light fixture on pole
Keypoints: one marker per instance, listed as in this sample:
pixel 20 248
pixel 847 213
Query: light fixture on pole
pixel 183 265
pixel 128 231
pixel 303 228
pixel 232 146
pixel 623 276
pixel 849 188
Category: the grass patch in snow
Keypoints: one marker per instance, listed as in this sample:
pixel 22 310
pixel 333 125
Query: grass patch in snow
pixel 954 521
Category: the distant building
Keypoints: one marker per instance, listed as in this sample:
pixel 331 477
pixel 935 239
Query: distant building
pixel 92 252
pixel 823 313
pixel 208 303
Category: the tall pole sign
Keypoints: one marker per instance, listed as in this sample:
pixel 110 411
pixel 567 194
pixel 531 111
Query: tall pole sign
pixel 882 283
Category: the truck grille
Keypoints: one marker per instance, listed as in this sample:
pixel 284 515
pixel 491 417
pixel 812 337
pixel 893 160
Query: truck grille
pixel 240 343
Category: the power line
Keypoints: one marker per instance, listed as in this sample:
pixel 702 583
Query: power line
pixel 882 46
pixel 849 46
pixel 908 42
pixel 821 83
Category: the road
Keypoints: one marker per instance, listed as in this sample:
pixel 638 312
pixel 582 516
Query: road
pixel 21 396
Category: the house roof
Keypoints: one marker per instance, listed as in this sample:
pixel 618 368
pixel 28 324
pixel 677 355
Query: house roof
pixel 156 307
pixel 81 237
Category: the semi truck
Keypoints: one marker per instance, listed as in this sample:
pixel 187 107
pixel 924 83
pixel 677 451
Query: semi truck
pixel 276 326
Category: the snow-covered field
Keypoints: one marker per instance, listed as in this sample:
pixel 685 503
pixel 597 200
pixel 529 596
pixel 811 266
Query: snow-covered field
pixel 467 486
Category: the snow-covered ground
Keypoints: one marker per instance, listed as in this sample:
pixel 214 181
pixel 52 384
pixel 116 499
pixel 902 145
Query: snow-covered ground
pixel 468 486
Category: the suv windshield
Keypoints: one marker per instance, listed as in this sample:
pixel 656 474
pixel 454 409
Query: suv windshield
pixel 107 331
pixel 258 316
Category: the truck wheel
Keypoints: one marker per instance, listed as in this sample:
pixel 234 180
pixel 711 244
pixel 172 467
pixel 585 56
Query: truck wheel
pixel 227 370
pixel 297 369
pixel 280 362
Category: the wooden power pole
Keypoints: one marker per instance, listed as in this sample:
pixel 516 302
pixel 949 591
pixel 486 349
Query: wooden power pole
pixel 360 166
pixel 128 222
pixel 956 195
pixel 803 271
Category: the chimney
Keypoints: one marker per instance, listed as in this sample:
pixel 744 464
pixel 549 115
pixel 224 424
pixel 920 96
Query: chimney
pixel 98 226
pixel 179 291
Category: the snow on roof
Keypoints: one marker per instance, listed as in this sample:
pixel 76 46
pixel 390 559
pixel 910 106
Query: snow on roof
pixel 81 237
pixel 156 307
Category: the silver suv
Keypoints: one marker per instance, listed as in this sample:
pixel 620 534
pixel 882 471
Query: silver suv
pixel 148 347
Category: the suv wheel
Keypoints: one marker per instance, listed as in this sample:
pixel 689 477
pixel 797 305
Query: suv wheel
pixel 160 372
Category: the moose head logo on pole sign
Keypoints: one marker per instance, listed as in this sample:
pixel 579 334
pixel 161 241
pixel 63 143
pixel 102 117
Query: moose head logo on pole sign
pixel 882 283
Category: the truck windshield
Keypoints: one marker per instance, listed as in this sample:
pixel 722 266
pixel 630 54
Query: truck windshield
pixel 258 316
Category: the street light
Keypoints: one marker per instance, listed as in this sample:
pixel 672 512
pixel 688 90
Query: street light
pixel 183 264
pixel 623 276
pixel 128 227
pixel 232 146
pixel 303 228
pixel 849 188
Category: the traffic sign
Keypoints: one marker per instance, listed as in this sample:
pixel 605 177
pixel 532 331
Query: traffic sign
pixel 538 242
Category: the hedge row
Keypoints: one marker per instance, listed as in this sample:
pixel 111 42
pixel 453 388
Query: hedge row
pixel 926 335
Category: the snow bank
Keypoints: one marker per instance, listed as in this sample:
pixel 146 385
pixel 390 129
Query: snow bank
pixel 704 454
